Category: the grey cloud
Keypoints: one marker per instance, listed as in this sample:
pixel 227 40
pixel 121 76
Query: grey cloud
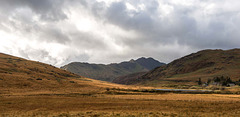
pixel 21 16
pixel 47 33
pixel 88 41
pixel 118 14
pixel 147 23
pixel 165 36
pixel 53 34
pixel 50 10
pixel 180 25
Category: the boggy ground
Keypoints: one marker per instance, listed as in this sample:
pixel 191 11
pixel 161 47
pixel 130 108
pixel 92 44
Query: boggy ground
pixel 129 104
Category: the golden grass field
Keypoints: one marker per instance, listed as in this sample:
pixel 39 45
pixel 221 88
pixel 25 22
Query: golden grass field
pixel 145 104
pixel 63 94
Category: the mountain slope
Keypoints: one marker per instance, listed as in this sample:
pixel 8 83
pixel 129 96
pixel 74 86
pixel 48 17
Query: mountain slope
pixel 129 78
pixel 204 64
pixel 111 71
pixel 19 75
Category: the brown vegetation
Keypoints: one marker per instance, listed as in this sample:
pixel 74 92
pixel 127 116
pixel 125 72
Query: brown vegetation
pixel 106 105
pixel 29 88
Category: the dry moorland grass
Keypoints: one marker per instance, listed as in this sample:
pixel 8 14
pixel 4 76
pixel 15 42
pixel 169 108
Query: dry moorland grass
pixel 29 88
pixel 121 105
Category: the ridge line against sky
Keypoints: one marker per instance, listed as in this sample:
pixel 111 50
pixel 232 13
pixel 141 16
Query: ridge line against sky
pixel 110 31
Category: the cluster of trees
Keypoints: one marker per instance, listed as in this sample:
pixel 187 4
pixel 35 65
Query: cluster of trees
pixel 219 80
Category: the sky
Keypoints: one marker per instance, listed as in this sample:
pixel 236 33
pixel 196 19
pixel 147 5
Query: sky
pixel 58 32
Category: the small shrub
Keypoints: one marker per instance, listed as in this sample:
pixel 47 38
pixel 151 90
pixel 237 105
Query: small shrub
pixel 38 79
pixel 25 85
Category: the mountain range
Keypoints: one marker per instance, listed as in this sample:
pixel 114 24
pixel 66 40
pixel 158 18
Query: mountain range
pixel 111 71
pixel 17 73
pixel 205 64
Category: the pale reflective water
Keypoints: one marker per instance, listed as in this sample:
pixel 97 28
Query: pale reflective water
pixel 183 90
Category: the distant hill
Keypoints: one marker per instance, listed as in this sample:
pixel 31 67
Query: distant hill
pixel 19 75
pixel 187 70
pixel 111 71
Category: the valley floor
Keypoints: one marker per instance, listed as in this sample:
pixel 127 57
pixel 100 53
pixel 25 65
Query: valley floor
pixel 144 104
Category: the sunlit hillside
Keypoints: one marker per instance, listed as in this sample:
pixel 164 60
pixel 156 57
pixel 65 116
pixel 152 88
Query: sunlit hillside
pixel 19 75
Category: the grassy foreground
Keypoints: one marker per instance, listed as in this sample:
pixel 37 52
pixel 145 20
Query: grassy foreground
pixel 129 105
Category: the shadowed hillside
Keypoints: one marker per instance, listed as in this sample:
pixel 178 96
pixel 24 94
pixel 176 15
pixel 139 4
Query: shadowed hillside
pixel 129 79
pixel 204 64
pixel 111 71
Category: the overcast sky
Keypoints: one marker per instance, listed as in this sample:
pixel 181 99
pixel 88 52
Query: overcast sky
pixel 106 31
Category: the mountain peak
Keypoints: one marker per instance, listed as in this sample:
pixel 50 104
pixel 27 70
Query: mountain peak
pixel 145 58
pixel 132 61
pixel 149 63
